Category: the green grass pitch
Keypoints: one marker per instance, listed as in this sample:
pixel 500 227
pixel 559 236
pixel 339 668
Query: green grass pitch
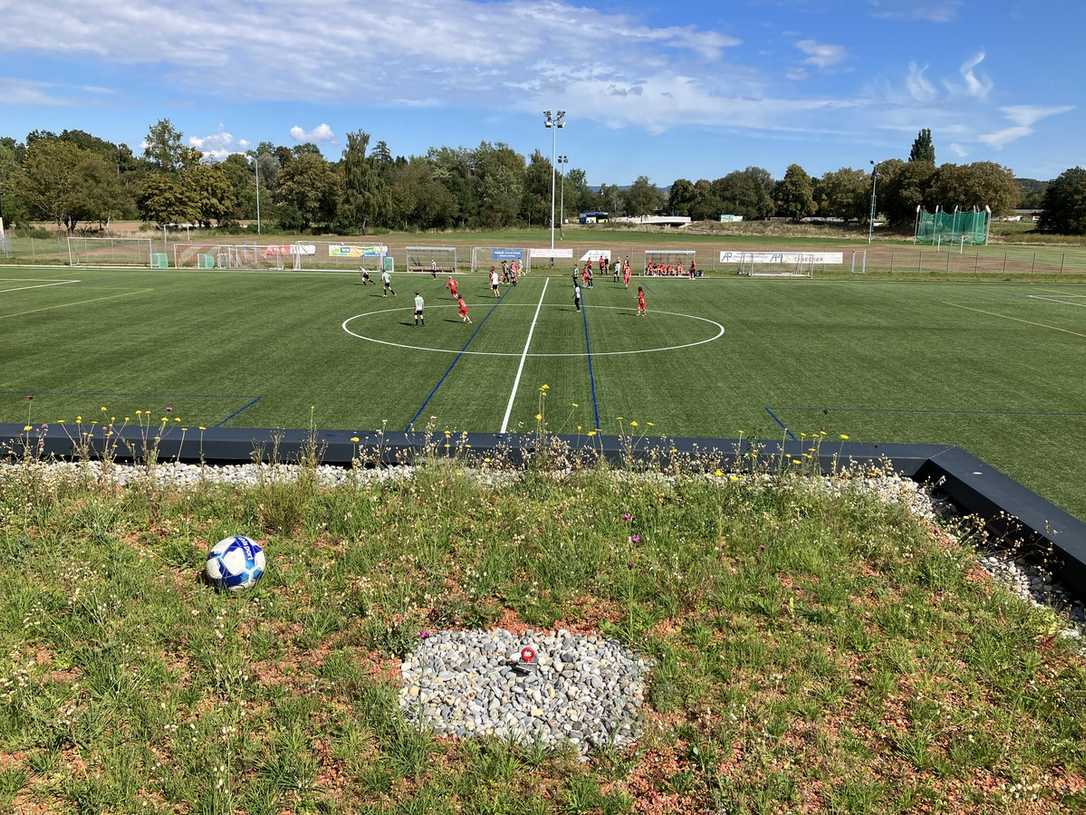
pixel 994 367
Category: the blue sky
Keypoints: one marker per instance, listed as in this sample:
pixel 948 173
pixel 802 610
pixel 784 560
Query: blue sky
pixel 667 90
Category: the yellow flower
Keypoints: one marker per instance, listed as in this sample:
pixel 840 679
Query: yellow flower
pixel 718 473
pixel 633 422
pixel 28 427
pixel 79 418
pixel 354 439
pixel 733 477
pixel 574 404
pixel 202 427
pixel 105 409
pixel 591 433
pixel 539 417
pixel 126 418
pixel 578 428
pixel 62 421
pixel 651 424
pixel 844 437
pixel 177 419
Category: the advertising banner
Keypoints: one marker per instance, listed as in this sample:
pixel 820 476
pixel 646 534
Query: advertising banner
pixel 595 254
pixel 506 254
pixel 550 253
pixel 350 250
pixel 818 258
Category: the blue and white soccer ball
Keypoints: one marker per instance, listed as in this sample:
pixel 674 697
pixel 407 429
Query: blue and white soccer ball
pixel 236 563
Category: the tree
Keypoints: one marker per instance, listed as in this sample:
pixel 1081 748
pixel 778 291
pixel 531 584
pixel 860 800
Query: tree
pixel 578 196
pixel 11 205
pixel 498 175
pixel 707 205
pixel 164 200
pixel 610 200
pixel 365 192
pixel 923 147
pixel 681 197
pixel 981 184
pixel 212 193
pixel 163 148
pixel 536 205
pixel 843 194
pixel 746 192
pixel 309 192
pixel 1065 204
pixel 794 195
pixel 643 198
pixel 66 184
pixel 902 187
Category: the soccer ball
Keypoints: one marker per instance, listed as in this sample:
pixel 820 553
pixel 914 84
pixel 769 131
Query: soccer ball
pixel 235 563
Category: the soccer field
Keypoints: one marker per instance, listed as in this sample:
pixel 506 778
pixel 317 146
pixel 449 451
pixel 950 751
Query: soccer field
pixel 995 367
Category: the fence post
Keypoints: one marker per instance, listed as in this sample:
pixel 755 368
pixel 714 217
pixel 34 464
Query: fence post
pixel 948 262
pixel 865 260
pixel 976 261
pixel 920 260
pixel 891 261
pixel 852 268
pixel 1033 269
pixel 1062 258
pixel 1004 262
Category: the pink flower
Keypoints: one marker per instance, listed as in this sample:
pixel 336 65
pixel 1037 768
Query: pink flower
pixel 424 635
pixel 634 539
pixel 627 517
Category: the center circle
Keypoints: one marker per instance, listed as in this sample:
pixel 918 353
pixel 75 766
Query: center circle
pixel 346 327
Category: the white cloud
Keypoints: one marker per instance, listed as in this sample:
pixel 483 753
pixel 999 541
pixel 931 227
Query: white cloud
pixel 958 150
pixel 25 92
pixel 320 133
pixel 976 86
pixel 932 11
pixel 1024 117
pixel 917 84
pixel 219 145
pixel 822 55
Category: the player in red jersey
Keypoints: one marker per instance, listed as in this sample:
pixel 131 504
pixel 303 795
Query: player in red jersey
pixel 642 309
pixel 450 284
pixel 626 272
pixel 462 310
pixel 602 263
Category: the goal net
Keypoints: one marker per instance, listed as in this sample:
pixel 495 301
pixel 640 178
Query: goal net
pixel 670 263
pixel 956 228
pixel 436 259
pixel 483 257
pixel 238 256
pixel 779 264
pixel 109 251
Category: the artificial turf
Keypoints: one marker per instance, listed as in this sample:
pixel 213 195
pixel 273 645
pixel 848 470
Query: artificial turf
pixel 994 367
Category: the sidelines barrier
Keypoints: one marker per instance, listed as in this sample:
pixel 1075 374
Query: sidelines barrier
pixel 976 487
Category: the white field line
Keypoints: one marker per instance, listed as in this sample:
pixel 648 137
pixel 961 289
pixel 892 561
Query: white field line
pixel 523 356
pixel 1016 319
pixel 1056 300
pixel 39 286
pixel 76 303
pixel 1062 293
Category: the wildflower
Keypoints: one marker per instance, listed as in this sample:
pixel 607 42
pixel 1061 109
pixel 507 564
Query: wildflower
pixel 591 433
pixel 718 473
pixel 635 538
pixel 544 387
pixel 27 427
pixel 126 418
pixel 578 428
pixel 574 404
pixel 733 477
pixel 633 422
pixel 104 409
pixel 79 419
pixel 202 427
pixel 424 635
pixel 844 437
pixel 62 421
pixel 139 412
pixel 539 417
pixel 354 439
pixel 448 434
pixel 627 517
pixel 651 424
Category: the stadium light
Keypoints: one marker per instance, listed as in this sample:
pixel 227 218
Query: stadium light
pixel 554 122
pixel 871 217
pixel 256 166
pixel 563 161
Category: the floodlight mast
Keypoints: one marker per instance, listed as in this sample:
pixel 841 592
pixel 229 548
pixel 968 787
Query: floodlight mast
pixel 553 122
pixel 871 216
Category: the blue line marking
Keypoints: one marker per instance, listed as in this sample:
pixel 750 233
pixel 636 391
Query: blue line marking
pixel 240 410
pixel 781 424
pixel 588 351
pixel 452 364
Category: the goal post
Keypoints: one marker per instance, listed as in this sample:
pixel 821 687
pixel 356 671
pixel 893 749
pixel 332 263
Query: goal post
pixel 669 262
pixel 779 264
pixel 434 259
pixel 483 257
pixel 84 251
pixel 241 256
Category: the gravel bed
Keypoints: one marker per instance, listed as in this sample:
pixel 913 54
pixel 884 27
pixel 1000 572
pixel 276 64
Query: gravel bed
pixel 586 690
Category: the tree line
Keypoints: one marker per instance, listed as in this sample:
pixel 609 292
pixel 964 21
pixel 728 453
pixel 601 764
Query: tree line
pixel 75 178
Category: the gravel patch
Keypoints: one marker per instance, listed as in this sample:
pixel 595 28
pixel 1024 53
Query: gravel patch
pixel 586 690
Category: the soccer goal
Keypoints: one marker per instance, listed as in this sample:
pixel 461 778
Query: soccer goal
pixel 483 257
pixel 109 251
pixel 670 263
pixel 779 264
pixel 423 259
